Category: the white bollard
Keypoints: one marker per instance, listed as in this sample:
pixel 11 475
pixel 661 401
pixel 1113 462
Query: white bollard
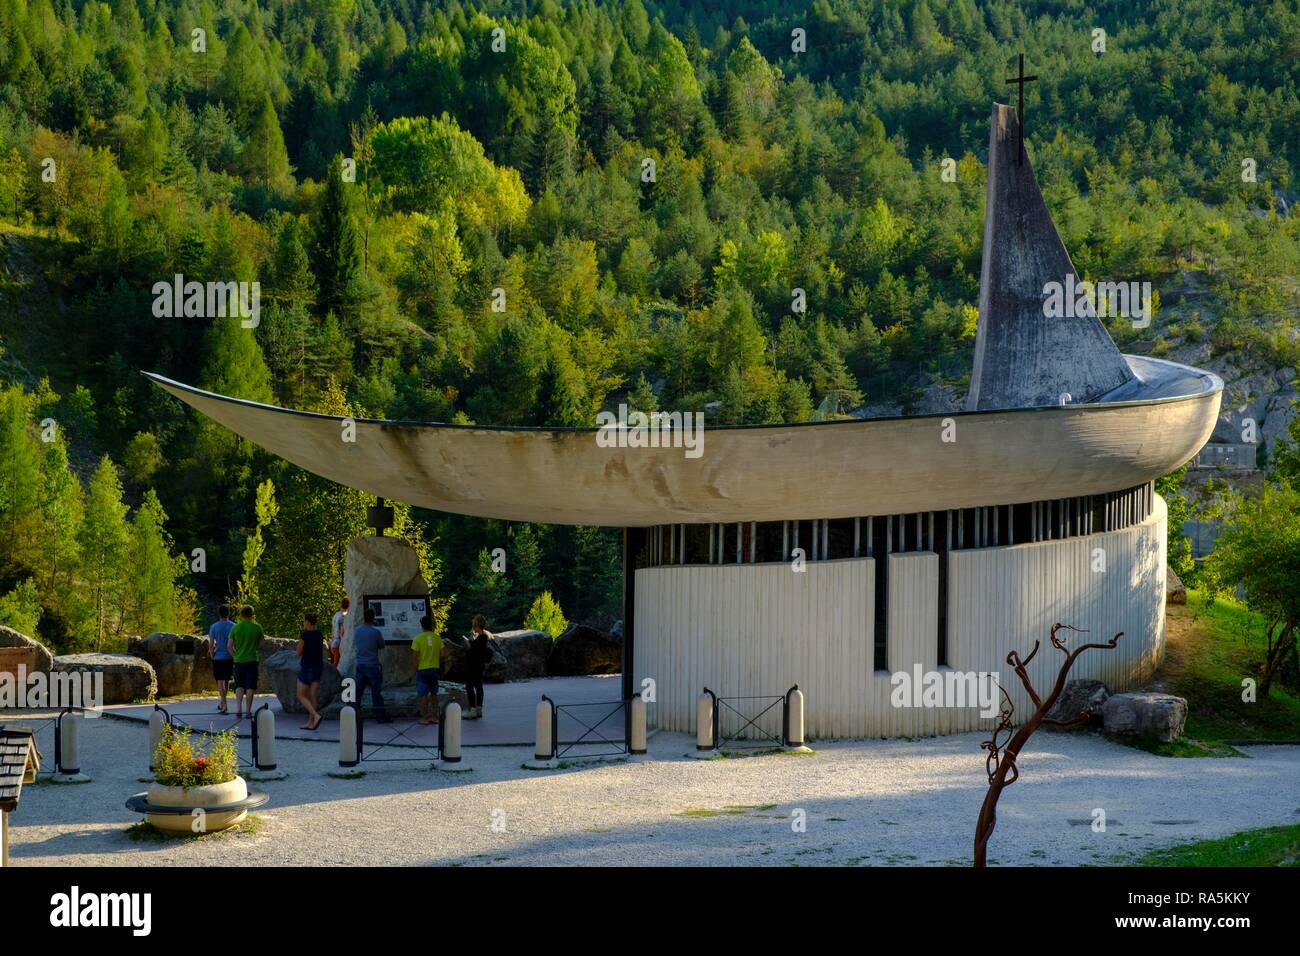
pixel 794 723
pixel 636 744
pixel 69 762
pixel 705 745
pixel 451 734
pixel 156 724
pixel 348 756
pixel 544 751
pixel 264 767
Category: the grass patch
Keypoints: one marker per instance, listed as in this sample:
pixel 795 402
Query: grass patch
pixel 732 810
pixel 146 832
pixel 1270 846
pixel 1212 646
pixel 1182 747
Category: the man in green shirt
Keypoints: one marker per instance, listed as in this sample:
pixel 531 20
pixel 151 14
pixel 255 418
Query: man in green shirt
pixel 426 655
pixel 244 640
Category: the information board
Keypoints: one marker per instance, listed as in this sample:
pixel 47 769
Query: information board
pixel 397 615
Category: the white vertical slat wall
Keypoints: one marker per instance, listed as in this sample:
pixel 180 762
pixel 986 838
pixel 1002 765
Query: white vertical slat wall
pixel 757 629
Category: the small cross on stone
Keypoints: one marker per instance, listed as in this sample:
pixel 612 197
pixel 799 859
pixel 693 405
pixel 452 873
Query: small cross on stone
pixel 379 516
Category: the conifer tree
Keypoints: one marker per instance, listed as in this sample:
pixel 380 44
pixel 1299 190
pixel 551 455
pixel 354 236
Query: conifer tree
pixel 104 539
pixel 337 258
pixel 266 161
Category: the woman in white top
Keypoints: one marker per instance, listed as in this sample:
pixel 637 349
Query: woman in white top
pixel 336 633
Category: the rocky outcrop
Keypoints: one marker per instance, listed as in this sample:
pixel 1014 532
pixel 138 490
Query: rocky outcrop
pixel 526 653
pixel 11 638
pixel 126 678
pixel 1175 593
pixel 1077 696
pixel 281 673
pixel 583 650
pixel 378 565
pixel 1156 716
pixel 183 664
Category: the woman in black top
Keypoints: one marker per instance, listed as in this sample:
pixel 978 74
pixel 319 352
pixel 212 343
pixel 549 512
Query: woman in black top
pixel 476 662
pixel 311 666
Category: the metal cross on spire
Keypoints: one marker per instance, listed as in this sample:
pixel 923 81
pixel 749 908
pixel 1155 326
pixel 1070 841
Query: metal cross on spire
pixel 1020 81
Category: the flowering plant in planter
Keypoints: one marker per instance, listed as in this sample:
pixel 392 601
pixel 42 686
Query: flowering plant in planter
pixel 179 763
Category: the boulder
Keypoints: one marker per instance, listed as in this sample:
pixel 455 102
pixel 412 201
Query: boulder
pixel 126 678
pixel 1158 716
pixel 281 672
pixel 399 671
pixel 1077 696
pixel 526 653
pixel 402 701
pixel 496 672
pixel 183 664
pixel 269 647
pixel 583 650
pixel 377 565
pixel 1175 593
pixel 11 638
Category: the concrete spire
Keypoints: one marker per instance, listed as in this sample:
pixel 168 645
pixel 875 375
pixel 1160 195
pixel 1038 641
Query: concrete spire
pixel 1022 357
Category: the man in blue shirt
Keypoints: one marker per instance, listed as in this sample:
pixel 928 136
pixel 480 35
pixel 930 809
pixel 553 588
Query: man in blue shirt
pixel 369 642
pixel 223 664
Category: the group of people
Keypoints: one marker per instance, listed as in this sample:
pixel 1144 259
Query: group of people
pixel 235 659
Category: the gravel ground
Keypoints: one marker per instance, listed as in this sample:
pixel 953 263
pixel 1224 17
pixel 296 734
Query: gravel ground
pixel 864 802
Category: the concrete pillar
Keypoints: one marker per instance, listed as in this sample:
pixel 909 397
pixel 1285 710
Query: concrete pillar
pixel 705 745
pixel 68 769
pixel 264 766
pixel 265 730
pixel 794 722
pixel 348 751
pixel 636 744
pixel 545 749
pixel 451 733
pixel 156 724
pixel 544 752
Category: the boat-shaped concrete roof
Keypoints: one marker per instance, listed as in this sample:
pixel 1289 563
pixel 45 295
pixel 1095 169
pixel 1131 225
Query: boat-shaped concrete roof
pixel 831 469
pixel 1126 420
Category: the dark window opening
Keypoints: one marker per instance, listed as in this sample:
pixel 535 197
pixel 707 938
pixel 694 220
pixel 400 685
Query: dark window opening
pixel 839 538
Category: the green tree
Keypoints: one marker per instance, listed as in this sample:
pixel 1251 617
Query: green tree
pixel 1178 547
pixel 1259 549
pixel 266 161
pixel 545 615
pixel 337 257
pixel 525 556
pixel 21 607
pixel 104 538
pixel 20 478
pixel 486 592
pixel 150 596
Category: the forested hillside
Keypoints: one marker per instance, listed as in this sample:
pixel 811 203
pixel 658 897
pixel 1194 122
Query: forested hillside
pixel 524 213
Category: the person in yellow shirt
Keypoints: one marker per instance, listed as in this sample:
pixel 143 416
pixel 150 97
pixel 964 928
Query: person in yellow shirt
pixel 426 654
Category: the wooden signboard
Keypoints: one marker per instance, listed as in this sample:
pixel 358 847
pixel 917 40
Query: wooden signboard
pixel 12 657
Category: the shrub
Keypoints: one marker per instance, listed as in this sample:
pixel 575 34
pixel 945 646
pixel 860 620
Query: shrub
pixel 545 615
pixel 178 763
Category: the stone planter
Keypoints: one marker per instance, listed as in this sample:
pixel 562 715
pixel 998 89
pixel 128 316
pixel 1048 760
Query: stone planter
pixel 192 798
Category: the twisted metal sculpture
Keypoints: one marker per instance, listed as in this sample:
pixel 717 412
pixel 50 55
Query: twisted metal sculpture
pixel 1003 751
